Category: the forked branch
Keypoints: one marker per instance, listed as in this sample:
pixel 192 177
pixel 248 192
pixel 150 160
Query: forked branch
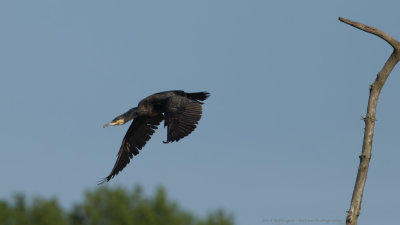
pixel 375 89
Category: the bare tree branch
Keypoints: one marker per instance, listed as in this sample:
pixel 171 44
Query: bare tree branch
pixel 374 91
pixel 393 42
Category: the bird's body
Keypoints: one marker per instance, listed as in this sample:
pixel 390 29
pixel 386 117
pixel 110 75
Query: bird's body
pixel 180 111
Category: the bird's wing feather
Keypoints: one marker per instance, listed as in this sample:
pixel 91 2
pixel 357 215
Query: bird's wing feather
pixel 135 138
pixel 181 117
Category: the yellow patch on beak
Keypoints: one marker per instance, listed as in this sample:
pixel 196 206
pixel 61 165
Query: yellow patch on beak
pixel 118 122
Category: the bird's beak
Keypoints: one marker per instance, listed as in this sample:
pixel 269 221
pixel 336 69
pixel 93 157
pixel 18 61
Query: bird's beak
pixel 118 122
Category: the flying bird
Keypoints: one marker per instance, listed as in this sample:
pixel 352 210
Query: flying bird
pixel 181 111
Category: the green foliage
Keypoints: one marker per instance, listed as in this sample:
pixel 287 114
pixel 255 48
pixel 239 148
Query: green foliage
pixel 217 218
pixel 106 206
pixel 40 211
pixel 5 213
pixel 47 212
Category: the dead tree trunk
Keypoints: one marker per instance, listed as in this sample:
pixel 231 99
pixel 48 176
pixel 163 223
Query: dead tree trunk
pixel 369 119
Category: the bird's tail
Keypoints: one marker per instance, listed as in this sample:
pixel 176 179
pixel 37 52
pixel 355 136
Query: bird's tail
pixel 198 96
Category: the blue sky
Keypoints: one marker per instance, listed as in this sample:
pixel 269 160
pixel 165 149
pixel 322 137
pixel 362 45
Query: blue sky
pixel 280 135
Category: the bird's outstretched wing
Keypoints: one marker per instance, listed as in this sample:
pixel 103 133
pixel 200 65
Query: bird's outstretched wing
pixel 181 117
pixel 135 138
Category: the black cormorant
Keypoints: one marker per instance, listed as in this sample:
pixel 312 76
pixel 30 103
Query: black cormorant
pixel 180 111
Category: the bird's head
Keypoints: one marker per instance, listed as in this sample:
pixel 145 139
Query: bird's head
pixel 122 119
pixel 116 121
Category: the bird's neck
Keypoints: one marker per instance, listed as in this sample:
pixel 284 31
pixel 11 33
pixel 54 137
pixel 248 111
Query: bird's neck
pixel 131 114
